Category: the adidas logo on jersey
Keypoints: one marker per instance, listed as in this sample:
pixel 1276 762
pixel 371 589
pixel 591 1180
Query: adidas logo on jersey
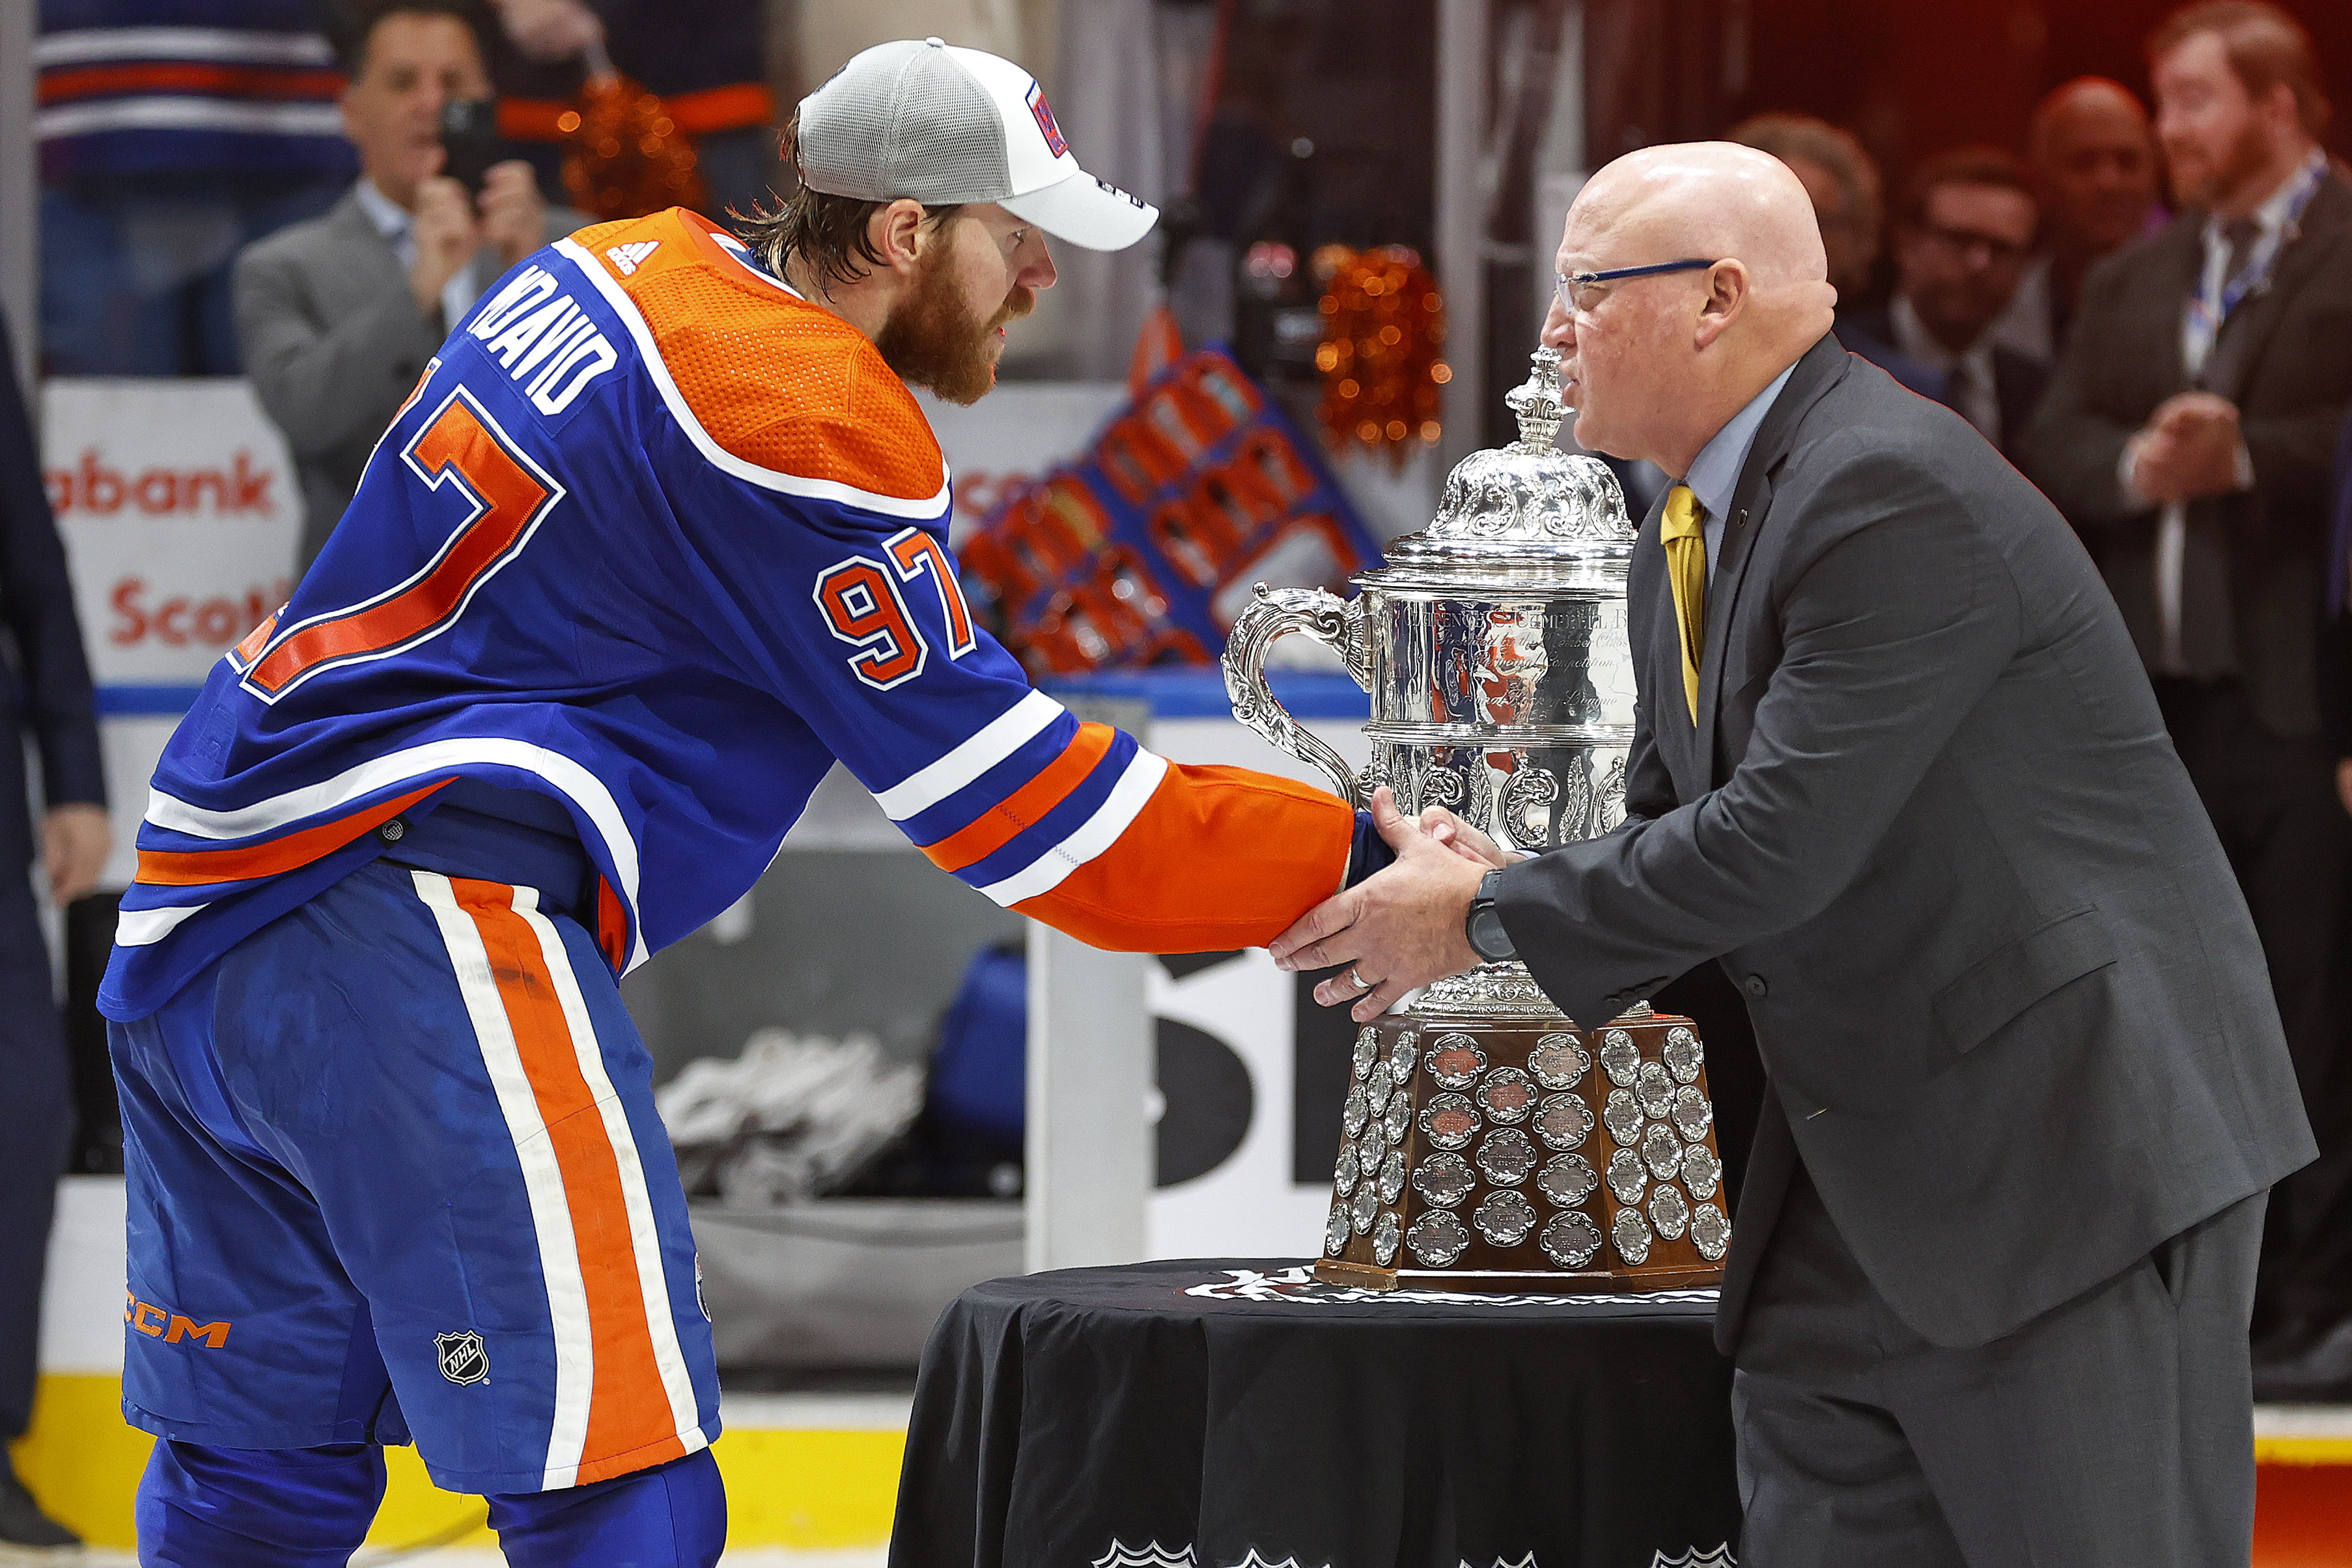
pixel 628 257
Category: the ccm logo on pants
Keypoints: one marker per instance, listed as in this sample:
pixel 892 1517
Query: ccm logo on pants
pixel 170 1327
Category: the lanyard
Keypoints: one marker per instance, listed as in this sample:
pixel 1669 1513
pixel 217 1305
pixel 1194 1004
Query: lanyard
pixel 2207 310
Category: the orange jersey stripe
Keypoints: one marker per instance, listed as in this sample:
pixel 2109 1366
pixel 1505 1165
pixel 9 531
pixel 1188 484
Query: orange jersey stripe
pixel 1025 806
pixel 534 119
pixel 629 1422
pixel 194 868
pixel 699 113
pixel 189 75
pixel 1219 858
pixel 729 108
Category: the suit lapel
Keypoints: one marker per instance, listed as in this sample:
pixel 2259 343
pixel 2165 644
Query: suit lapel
pixel 2252 325
pixel 1823 366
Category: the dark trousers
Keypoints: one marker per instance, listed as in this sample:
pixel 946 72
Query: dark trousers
pixel 36 1122
pixel 2272 801
pixel 2116 1431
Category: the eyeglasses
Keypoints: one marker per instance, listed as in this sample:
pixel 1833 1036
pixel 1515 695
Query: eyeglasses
pixel 1968 243
pixel 1576 288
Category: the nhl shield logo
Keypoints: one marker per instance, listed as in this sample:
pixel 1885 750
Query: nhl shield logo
pixel 464 1358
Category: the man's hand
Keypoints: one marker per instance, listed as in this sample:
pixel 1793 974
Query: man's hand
pixel 514 214
pixel 446 239
pixel 1398 929
pixel 2188 449
pixel 2344 782
pixel 75 842
pixel 1461 838
pixel 550 29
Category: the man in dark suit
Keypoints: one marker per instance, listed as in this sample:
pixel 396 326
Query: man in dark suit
pixel 1897 768
pixel 45 697
pixel 1963 235
pixel 2187 435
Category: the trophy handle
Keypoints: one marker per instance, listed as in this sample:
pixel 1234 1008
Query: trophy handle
pixel 1338 624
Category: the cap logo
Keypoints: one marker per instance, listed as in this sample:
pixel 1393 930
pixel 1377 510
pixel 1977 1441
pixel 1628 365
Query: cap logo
pixel 1042 112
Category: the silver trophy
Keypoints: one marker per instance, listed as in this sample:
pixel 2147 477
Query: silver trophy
pixel 1494 646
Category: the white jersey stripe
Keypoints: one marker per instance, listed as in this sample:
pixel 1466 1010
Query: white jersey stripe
pixel 995 740
pixel 644 1236
pixel 1097 834
pixel 162 112
pixel 575 783
pixel 718 457
pixel 542 1178
pixel 240 46
pixel 144 928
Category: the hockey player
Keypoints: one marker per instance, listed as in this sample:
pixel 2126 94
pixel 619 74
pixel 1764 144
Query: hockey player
pixel 656 538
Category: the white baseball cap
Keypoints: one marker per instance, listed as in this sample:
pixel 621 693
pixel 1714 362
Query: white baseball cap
pixel 927 120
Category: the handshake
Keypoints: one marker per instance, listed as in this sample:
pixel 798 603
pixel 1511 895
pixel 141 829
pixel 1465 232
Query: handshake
pixel 1402 927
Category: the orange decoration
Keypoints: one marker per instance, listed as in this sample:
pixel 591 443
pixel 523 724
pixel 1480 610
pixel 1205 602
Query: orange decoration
pixel 627 157
pixel 1384 323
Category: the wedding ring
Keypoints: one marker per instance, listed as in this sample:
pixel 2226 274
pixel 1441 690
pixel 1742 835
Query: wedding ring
pixel 1358 981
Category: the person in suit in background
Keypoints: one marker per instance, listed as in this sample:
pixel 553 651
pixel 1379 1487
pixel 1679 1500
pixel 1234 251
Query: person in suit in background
pixel 2093 161
pixel 1962 235
pixel 1843 186
pixel 45 700
pixel 1896 767
pixel 339 316
pixel 2187 433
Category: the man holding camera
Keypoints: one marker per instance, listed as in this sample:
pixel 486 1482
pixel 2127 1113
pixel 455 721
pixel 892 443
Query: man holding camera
pixel 337 317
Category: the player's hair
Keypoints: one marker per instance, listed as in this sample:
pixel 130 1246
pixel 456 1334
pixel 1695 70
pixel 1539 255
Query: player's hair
pixel 359 23
pixel 1960 166
pixel 2264 45
pixel 830 233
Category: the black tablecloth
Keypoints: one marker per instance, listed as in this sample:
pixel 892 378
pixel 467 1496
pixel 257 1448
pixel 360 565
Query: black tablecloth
pixel 1198 1413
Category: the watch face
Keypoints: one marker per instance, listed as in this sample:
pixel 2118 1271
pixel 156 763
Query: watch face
pixel 1487 937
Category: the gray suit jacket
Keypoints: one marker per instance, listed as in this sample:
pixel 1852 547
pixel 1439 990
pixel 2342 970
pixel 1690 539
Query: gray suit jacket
pixel 2002 977
pixel 332 342
pixel 2250 587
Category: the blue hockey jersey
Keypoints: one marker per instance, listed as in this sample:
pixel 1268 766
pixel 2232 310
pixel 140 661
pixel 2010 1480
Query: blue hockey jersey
pixel 659 540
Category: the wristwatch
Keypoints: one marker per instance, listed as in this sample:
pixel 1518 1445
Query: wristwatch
pixel 1483 925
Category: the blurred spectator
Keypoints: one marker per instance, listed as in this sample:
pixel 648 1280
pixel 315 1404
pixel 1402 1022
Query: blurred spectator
pixel 2187 433
pixel 2093 159
pixel 1841 180
pixel 165 147
pixel 339 316
pixel 705 59
pixel 1962 233
pixel 45 704
pixel 1844 183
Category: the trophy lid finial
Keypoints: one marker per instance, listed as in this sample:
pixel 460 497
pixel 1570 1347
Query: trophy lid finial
pixel 1536 402
pixel 1527 498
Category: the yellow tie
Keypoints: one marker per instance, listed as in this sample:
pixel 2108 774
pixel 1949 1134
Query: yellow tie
pixel 1686 570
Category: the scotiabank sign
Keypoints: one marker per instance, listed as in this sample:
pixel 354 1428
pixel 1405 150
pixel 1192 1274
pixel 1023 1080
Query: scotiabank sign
pixel 180 513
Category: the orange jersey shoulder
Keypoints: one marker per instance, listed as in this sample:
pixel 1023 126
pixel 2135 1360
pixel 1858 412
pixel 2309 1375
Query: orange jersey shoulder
pixel 774 380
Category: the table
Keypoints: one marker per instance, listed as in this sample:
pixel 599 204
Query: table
pixel 1233 1413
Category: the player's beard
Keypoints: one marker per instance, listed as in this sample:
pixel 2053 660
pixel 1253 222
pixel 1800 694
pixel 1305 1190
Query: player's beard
pixel 935 340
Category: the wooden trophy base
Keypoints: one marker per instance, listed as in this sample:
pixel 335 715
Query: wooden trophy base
pixel 1486 1147
pixel 1517 1282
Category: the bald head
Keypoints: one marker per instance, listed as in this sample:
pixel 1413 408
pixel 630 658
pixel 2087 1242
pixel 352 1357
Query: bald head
pixel 1717 199
pixel 2094 158
pixel 1656 364
pixel 2087 101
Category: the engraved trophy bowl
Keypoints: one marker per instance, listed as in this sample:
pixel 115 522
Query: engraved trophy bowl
pixel 1494 646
